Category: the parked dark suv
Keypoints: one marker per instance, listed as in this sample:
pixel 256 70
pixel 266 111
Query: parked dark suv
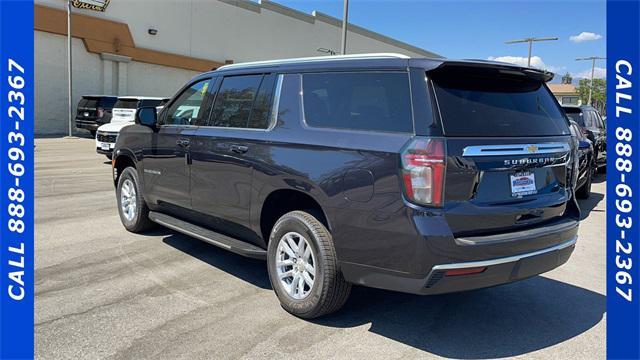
pixel 593 127
pixel 94 111
pixel 424 176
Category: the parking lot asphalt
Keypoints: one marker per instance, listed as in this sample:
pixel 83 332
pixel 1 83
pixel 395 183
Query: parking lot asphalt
pixel 102 292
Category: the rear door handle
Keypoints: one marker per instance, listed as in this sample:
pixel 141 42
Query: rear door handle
pixel 239 149
pixel 183 142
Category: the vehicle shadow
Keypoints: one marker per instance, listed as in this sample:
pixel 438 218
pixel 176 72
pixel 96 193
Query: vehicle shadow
pixel 599 178
pixel 589 205
pixel 250 270
pixel 502 321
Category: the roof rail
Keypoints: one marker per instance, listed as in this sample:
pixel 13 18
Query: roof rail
pixel 314 59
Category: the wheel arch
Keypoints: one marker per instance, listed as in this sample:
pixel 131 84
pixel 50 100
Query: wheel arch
pixel 122 159
pixel 281 201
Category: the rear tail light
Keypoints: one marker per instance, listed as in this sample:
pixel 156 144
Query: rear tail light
pixel 100 112
pixel 423 167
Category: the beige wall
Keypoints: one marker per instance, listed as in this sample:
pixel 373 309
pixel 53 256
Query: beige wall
pixel 209 29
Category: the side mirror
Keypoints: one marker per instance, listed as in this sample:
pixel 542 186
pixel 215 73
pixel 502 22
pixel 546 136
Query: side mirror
pixel 147 116
pixel 583 144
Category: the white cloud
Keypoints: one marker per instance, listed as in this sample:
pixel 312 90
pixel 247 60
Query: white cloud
pixel 585 36
pixel 598 73
pixel 536 62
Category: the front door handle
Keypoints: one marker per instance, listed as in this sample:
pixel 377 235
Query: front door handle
pixel 239 149
pixel 183 142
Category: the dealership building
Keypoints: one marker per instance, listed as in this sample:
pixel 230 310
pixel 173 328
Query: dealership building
pixel 151 48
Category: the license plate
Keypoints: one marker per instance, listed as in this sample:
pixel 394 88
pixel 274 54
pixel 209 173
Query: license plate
pixel 523 184
pixel 104 146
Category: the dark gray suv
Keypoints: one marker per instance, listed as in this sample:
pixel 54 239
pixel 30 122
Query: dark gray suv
pixel 424 176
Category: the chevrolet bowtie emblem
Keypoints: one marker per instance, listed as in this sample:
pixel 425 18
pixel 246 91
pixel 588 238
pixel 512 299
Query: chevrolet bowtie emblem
pixel 532 148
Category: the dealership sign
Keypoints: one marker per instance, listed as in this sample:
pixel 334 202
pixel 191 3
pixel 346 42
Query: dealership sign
pixel 97 5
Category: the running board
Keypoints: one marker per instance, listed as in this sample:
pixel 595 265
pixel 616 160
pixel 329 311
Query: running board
pixel 228 243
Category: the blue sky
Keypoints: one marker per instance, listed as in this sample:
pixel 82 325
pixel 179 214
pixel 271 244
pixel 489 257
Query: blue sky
pixel 478 29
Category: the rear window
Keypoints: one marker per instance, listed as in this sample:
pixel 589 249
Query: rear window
pixel 576 115
pixel 153 103
pixel 358 101
pixel 126 104
pixel 91 103
pixel 495 104
pixel 107 102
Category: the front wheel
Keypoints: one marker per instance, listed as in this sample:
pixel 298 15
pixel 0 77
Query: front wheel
pixel 303 267
pixel 133 210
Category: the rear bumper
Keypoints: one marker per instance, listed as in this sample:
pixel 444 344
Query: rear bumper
pixel 496 259
pixel 87 124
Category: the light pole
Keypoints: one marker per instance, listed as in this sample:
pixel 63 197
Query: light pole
pixel 69 78
pixel 593 68
pixel 345 22
pixel 530 40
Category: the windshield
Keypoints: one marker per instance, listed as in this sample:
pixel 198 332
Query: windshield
pixel 492 104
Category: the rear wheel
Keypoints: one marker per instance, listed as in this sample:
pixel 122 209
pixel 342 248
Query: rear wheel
pixel 134 213
pixel 303 267
pixel 93 133
pixel 109 156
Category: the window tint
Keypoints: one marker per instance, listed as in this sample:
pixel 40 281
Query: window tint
pixel 590 119
pixel 88 103
pixel 262 105
pixel 575 114
pixel 107 102
pixel 185 110
pixel 150 103
pixel 234 101
pixel 496 104
pixel 599 120
pixel 570 100
pixel 358 101
pixel 126 104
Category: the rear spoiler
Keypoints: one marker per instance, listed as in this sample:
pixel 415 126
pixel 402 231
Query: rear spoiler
pixel 506 68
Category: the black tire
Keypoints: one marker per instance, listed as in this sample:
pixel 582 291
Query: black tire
pixel 93 133
pixel 140 220
pixel 330 290
pixel 109 156
pixel 584 192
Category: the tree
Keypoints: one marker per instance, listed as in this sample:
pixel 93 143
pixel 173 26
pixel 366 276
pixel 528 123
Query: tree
pixel 599 96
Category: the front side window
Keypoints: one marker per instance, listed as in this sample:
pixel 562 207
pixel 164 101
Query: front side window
pixel 373 101
pixel 185 110
pixel 235 100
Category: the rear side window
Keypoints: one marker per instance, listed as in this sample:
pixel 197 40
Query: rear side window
pixel 126 104
pixel 493 104
pixel 234 101
pixel 374 101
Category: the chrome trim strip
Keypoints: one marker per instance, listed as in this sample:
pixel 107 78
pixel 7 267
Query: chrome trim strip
pixel 312 60
pixel 515 149
pixel 504 260
pixel 276 103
